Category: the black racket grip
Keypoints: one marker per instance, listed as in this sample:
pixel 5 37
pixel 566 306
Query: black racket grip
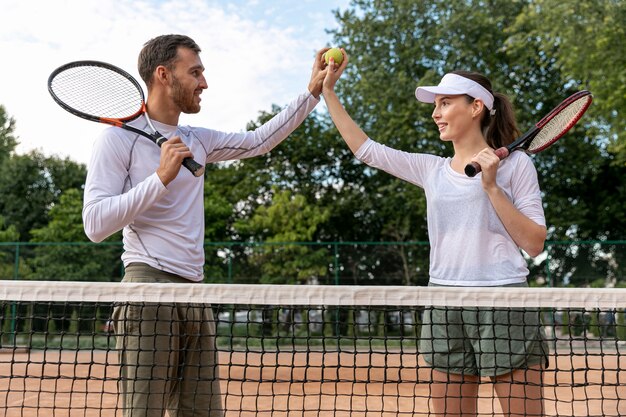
pixel 195 168
pixel 474 168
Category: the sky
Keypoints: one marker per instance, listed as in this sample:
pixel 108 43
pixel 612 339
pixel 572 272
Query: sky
pixel 256 53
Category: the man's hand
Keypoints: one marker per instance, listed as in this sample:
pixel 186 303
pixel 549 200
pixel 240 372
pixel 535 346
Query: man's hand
pixel 172 154
pixel 318 73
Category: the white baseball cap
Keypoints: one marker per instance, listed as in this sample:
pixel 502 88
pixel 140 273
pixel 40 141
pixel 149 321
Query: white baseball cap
pixel 455 84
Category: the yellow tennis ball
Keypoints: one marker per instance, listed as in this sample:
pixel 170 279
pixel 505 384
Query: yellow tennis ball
pixel 334 53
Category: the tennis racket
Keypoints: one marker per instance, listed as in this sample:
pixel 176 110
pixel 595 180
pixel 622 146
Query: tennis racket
pixel 547 131
pixel 103 93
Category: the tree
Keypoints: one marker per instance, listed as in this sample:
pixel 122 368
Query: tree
pixel 582 176
pixel 8 253
pixel 395 46
pixel 586 40
pixel 8 142
pixel 217 216
pixel 31 184
pixel 288 219
pixel 311 163
pixel 7 233
pixel 537 52
pixel 63 257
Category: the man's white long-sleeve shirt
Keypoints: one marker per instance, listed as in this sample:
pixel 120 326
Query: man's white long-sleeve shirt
pixel 164 226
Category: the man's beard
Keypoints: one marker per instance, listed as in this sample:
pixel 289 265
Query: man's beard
pixel 186 102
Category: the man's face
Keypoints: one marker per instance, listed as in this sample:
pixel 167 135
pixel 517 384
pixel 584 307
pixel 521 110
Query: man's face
pixel 188 81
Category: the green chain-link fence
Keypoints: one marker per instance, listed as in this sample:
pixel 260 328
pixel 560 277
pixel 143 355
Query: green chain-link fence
pixel 563 263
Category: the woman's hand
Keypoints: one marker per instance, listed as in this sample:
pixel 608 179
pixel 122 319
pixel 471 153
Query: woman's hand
pixel 333 72
pixel 489 163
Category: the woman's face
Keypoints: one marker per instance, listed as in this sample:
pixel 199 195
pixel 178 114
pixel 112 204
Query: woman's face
pixel 454 116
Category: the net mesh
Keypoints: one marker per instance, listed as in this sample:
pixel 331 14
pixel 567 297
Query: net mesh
pixel 263 350
pixel 97 91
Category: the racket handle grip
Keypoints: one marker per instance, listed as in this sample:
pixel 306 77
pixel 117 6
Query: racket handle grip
pixel 474 168
pixel 195 168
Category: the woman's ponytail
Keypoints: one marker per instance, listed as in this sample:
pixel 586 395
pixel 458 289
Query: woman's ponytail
pixel 498 125
pixel 500 129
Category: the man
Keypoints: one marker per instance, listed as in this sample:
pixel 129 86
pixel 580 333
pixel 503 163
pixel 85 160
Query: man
pixel 167 353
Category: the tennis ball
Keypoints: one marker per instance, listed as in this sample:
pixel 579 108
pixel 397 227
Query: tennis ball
pixel 334 53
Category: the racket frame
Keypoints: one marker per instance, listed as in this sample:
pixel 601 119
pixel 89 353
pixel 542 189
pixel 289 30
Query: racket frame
pixel 194 167
pixel 524 141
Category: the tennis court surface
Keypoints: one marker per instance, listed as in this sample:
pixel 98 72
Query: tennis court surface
pixel 298 350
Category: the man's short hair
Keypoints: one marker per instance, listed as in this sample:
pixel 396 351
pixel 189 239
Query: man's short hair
pixel 162 50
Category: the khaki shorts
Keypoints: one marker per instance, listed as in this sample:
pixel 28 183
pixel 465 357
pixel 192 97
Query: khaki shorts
pixel 483 341
pixel 167 354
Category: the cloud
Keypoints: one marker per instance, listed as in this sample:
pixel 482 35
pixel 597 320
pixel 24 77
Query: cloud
pixel 251 61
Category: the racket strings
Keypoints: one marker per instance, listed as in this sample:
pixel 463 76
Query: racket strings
pixel 559 124
pixel 98 92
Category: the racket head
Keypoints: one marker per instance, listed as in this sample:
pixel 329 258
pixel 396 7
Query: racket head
pixel 561 119
pixel 97 91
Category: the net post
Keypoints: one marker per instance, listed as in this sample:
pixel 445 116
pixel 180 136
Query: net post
pixel 336 262
pixel 16 276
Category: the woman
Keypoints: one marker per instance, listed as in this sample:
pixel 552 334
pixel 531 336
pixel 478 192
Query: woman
pixel 476 228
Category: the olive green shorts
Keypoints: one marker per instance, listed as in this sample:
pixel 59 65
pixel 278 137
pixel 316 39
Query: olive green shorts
pixel 483 341
pixel 167 354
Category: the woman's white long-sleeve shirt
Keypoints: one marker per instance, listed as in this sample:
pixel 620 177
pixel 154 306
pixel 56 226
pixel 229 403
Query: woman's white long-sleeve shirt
pixel 469 244
pixel 164 226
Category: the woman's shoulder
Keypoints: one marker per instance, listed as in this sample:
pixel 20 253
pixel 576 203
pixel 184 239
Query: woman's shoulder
pixel 519 155
pixel 519 159
pixel 518 168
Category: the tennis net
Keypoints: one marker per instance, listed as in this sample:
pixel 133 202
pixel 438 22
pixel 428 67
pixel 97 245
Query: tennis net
pixel 274 350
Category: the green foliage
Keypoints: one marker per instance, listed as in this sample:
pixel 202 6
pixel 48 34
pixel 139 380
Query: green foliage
pixel 288 218
pixel 218 213
pixel 8 233
pixel 395 46
pixel 586 39
pixel 8 253
pixel 65 223
pixel 582 176
pixel 31 184
pixel 68 260
pixel 8 142
pixel 311 188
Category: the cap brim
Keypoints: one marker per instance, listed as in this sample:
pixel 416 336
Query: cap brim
pixel 427 94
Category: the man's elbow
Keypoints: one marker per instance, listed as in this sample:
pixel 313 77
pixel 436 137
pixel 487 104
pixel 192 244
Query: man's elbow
pixel 90 226
pixel 93 234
